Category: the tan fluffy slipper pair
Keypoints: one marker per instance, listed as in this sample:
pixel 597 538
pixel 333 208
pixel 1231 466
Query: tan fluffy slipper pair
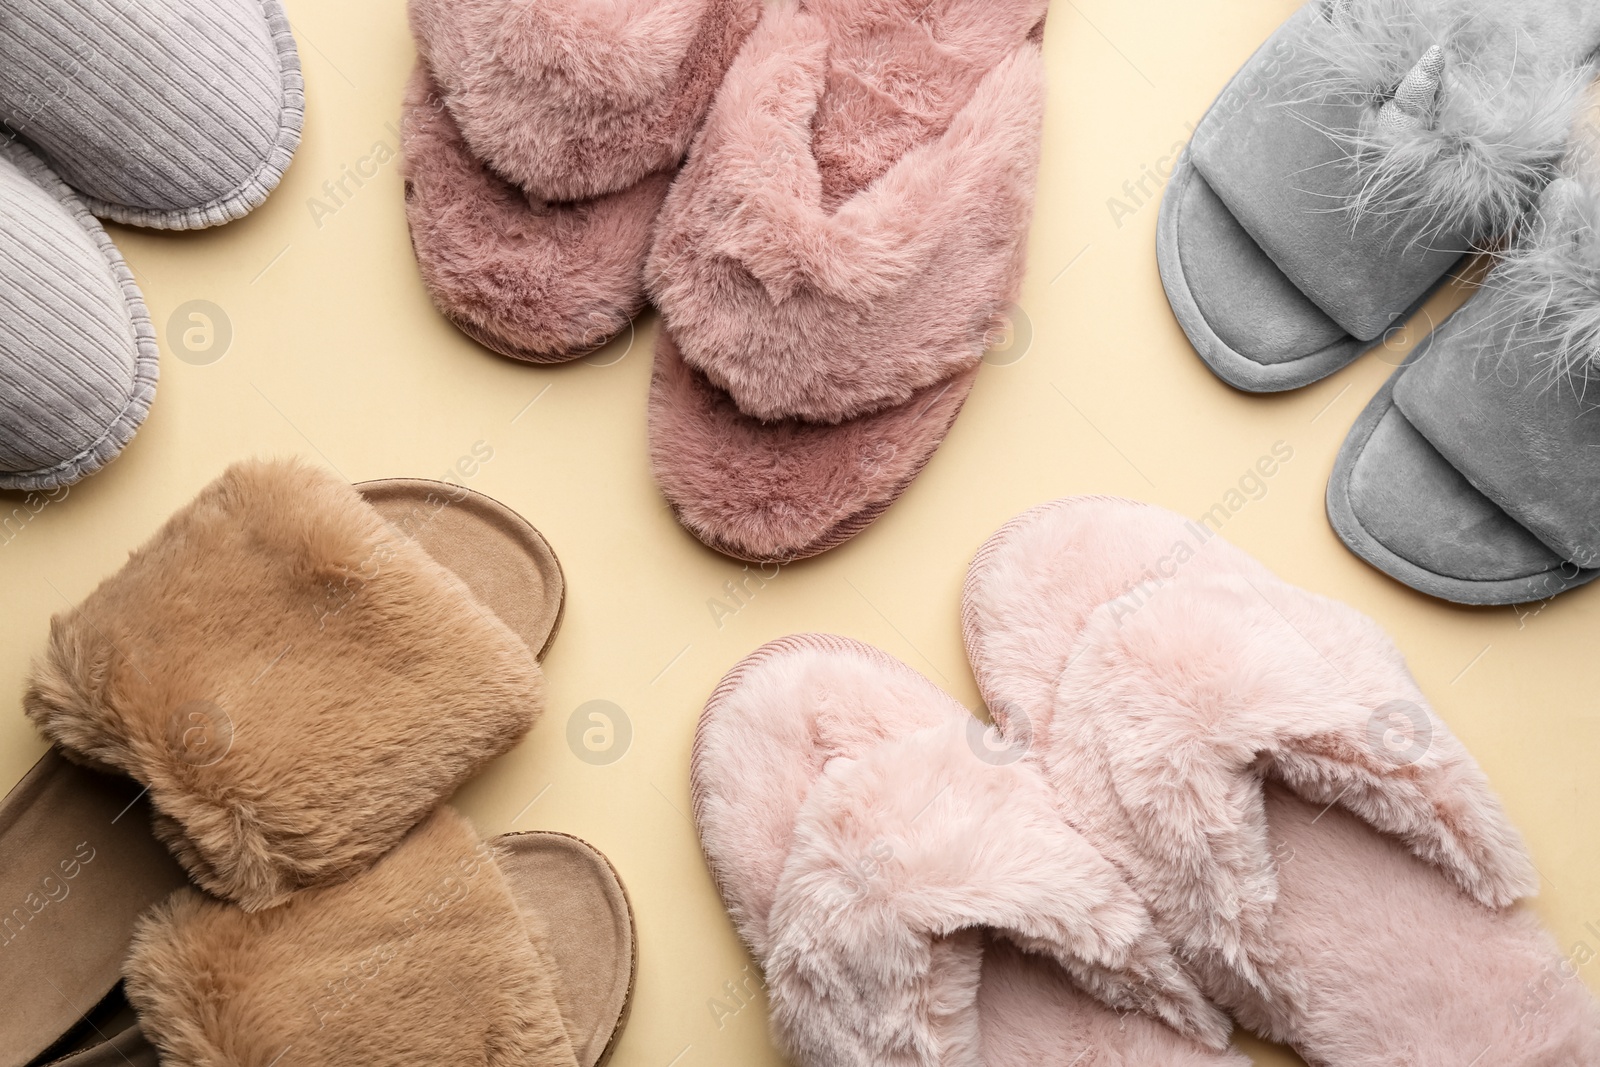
pixel 295 674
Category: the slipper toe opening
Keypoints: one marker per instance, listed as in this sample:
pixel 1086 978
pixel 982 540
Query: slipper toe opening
pixel 1245 318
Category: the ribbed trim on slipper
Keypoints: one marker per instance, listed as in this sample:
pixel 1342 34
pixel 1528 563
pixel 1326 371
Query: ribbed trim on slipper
pixel 255 189
pixel 147 368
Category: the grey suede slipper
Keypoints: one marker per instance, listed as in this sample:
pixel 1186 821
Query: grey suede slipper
pixel 1352 162
pixel 174 114
pixel 78 355
pixel 1471 476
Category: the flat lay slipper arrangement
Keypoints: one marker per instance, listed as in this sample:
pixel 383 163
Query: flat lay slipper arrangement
pixel 1326 859
pixel 1207 799
pixel 201 671
pixel 850 226
pixel 539 142
pixel 175 115
pixel 1359 154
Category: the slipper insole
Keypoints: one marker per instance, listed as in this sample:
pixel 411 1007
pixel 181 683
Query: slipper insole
pixel 1398 965
pixel 572 891
pixel 78 864
pixel 500 557
pixel 1032 1014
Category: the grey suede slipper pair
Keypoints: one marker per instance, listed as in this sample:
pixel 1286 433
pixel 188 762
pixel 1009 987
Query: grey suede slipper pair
pixel 171 114
pixel 1342 175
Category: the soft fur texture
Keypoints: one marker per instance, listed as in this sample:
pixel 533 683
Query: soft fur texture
pixel 855 211
pixel 575 99
pixel 1189 707
pixel 1476 160
pixel 862 845
pixel 1551 281
pixel 317 644
pixel 424 960
pixel 531 280
pixel 777 492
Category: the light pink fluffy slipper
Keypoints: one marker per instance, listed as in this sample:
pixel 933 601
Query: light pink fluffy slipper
pixel 539 139
pixel 1327 860
pixel 850 226
pixel 912 894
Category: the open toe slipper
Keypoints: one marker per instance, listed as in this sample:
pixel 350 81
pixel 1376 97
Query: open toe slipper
pixel 78 863
pixel 78 355
pixel 517 952
pixel 259 662
pixel 1326 859
pixel 1345 170
pixel 1471 475
pixel 539 142
pixel 175 115
pixel 910 891
pixel 850 224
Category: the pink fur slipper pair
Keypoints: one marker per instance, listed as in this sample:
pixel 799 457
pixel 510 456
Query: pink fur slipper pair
pixel 847 231
pixel 1206 789
pixel 299 672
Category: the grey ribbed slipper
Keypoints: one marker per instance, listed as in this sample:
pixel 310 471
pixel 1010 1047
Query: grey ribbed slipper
pixel 78 354
pixel 173 114
pixel 1471 476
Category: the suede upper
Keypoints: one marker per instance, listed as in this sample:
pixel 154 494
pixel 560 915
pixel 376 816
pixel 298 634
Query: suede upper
pixel 260 663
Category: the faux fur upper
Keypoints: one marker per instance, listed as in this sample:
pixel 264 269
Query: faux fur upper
pixel 854 213
pixel 528 279
pixel 574 99
pixel 1548 286
pixel 1466 152
pixel 296 682
pixel 861 843
pixel 782 491
pixel 1165 702
pixel 422 961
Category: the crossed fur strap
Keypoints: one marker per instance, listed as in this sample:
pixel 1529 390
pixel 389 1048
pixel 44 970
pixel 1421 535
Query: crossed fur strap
pixel 873 947
pixel 1174 713
pixel 797 304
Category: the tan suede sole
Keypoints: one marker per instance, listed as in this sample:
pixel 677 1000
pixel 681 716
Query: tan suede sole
pixel 588 928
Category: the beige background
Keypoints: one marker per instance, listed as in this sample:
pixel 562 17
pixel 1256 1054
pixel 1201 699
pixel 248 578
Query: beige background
pixel 337 356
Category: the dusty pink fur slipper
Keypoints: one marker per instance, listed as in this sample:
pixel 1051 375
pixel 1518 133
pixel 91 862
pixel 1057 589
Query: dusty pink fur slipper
pixel 850 225
pixel 540 139
pixel 1327 860
pixel 914 897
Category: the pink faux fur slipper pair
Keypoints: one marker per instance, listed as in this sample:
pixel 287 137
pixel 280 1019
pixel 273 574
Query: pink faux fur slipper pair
pixel 539 139
pixel 1208 789
pixel 847 232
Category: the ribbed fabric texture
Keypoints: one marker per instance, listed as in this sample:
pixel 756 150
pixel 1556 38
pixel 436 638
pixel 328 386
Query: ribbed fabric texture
pixel 78 354
pixel 175 114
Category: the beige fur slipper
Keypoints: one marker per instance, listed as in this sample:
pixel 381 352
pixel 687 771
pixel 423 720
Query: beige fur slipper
pixel 300 671
pixel 517 951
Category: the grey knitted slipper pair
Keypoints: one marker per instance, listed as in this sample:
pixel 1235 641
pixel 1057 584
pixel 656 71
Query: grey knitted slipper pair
pixel 171 114
pixel 1346 171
